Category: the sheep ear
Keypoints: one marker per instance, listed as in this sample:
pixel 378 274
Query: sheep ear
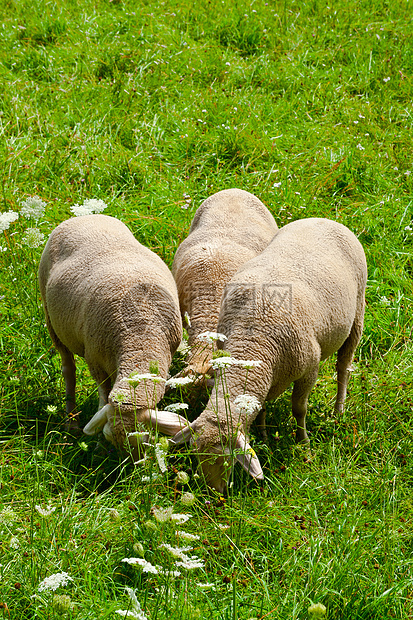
pixel 247 458
pixel 166 422
pixel 184 435
pixel 99 419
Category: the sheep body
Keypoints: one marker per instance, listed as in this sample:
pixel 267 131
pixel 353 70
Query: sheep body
pixel 228 229
pixel 114 302
pixel 292 306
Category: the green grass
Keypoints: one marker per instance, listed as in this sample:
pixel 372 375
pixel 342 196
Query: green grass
pixel 151 107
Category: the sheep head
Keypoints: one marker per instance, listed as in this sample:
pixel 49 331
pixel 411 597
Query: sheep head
pixel 218 441
pixel 118 421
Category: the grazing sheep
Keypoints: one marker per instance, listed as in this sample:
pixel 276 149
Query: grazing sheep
pixel 229 228
pixel 292 306
pixel 114 302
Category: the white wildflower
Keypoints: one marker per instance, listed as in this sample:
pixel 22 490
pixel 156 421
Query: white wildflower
pixel 407 173
pixel 385 301
pixel 192 563
pixel 222 526
pixel 247 403
pixel 146 567
pixel 6 219
pixel 249 363
pixel 45 512
pixel 182 477
pixel 223 362
pixel 160 457
pixel 276 184
pixel 386 79
pixel 163 514
pixel 184 347
pixel 187 499
pixel 14 543
pixel 89 207
pixel 79 210
pixel 135 611
pixel 95 205
pixel 170 573
pixel 360 147
pixel 33 207
pixel 33 238
pixel 177 552
pixel 205 586
pixel 176 407
pixel 211 337
pixel 174 382
pixel 136 378
pixel 51 409
pixel 180 518
pixel 54 581
pixel 7 515
pixel 147 479
pixel 187 536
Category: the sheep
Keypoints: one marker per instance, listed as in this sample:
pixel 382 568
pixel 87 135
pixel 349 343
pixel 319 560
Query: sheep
pixel 298 302
pixel 228 229
pixel 114 302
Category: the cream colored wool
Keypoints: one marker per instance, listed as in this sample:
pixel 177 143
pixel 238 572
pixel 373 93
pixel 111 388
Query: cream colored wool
pixel 114 302
pixel 229 228
pixel 292 306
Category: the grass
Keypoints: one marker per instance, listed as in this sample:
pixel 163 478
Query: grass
pixel 152 107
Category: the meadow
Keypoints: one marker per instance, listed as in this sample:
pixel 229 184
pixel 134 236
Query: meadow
pixel 151 107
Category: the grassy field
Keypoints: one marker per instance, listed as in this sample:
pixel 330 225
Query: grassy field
pixel 151 107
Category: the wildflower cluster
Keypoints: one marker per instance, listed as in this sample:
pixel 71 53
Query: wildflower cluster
pixel 219 363
pixel 89 206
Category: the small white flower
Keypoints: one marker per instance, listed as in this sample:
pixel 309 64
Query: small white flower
pixel 33 207
pixel 33 238
pixel 163 514
pixel 14 543
pixel 135 611
pixel 276 185
pixel 54 581
pixel 177 552
pixel 249 363
pixel 51 409
pixel 79 210
pixel 187 499
pixel 45 512
pixel 151 478
pixel 182 477
pixel 6 219
pixel 146 567
pixel 205 586
pixel 180 518
pixel 192 563
pixel 222 526
pixel 135 378
pixel 360 147
pixel 160 457
pixel 223 362
pixel 386 79
pixel 7 515
pixel 407 173
pixel 247 403
pixel 174 382
pixel 385 301
pixel 184 347
pixel 187 536
pixel 176 407
pixel 211 337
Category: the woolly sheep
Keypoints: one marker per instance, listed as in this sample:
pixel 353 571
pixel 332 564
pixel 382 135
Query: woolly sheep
pixel 114 302
pixel 228 229
pixel 292 306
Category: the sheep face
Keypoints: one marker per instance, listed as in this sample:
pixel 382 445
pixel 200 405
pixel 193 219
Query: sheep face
pixel 218 444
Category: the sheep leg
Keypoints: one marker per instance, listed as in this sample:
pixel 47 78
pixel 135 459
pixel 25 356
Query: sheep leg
pixel 344 359
pixel 69 375
pixel 103 391
pixel 299 400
